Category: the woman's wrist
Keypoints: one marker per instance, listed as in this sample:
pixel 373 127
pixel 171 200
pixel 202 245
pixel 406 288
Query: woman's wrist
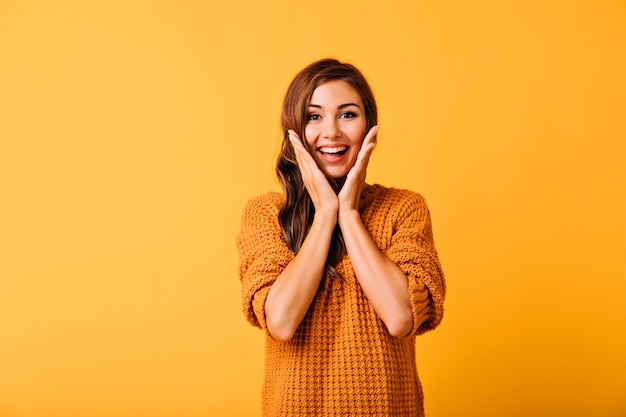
pixel 348 214
pixel 328 214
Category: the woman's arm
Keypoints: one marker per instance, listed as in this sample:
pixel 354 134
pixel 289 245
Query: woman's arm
pixel 383 282
pixel 412 249
pixel 292 293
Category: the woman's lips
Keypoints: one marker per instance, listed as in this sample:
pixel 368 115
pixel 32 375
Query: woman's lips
pixel 332 153
pixel 332 149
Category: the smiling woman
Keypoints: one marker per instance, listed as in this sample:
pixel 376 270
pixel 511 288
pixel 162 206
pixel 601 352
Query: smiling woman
pixel 335 127
pixel 340 274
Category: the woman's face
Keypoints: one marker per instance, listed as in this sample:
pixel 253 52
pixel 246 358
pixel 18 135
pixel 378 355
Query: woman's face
pixel 335 127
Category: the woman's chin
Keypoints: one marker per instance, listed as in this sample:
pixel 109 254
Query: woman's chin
pixel 336 173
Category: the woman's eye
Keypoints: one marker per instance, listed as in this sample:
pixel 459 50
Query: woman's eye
pixel 313 117
pixel 347 115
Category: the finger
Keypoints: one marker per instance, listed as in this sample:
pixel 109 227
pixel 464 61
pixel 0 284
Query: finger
pixel 310 171
pixel 311 174
pixel 296 142
pixel 297 147
pixel 371 135
pixel 358 171
pixel 364 154
pixel 303 156
pixel 368 145
pixel 293 133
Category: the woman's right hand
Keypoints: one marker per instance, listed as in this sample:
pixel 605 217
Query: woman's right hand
pixel 291 295
pixel 322 194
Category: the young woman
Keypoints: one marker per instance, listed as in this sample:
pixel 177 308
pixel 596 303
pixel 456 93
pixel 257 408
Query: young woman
pixel 340 274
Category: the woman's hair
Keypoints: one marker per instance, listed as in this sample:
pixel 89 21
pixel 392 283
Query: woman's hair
pixel 296 214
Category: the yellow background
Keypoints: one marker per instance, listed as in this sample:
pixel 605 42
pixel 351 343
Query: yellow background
pixel 132 133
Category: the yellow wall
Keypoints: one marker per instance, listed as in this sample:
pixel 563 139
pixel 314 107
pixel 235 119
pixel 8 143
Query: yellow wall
pixel 132 133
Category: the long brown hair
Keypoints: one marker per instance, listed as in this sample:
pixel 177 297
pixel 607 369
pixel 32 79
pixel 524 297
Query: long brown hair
pixel 296 214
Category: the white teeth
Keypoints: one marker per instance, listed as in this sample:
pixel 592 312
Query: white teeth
pixel 333 150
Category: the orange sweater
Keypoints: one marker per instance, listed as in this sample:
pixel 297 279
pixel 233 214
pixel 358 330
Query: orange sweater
pixel 341 360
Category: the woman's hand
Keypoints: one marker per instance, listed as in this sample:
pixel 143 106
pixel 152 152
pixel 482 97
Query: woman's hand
pixel 355 181
pixel 385 285
pixel 322 194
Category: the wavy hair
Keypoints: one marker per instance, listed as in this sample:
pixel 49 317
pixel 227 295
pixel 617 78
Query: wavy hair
pixel 297 211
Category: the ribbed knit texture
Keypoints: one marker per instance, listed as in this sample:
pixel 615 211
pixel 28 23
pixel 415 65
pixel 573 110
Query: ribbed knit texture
pixel 342 361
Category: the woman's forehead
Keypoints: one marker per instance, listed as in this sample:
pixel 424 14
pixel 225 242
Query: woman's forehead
pixel 335 92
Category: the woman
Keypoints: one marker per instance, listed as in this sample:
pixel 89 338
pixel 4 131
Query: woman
pixel 340 274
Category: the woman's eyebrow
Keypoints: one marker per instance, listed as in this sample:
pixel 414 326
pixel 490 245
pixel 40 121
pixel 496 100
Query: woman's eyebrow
pixel 317 106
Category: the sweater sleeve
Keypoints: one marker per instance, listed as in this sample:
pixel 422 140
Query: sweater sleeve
pixel 413 250
pixel 263 255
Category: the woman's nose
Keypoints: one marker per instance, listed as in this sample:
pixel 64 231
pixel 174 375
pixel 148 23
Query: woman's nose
pixel 331 130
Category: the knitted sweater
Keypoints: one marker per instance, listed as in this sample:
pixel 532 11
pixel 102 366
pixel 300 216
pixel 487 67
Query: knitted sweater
pixel 342 361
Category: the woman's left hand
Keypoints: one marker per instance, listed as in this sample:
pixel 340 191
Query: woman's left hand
pixel 355 181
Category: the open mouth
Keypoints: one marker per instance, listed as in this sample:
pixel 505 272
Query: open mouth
pixel 334 151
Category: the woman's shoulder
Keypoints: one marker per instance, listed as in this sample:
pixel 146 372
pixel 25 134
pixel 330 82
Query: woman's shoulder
pixel 394 196
pixel 395 203
pixel 270 201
